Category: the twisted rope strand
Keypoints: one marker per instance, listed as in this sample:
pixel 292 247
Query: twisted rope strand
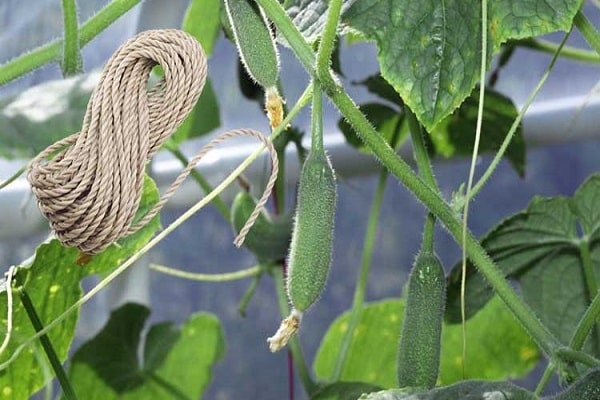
pixel 89 185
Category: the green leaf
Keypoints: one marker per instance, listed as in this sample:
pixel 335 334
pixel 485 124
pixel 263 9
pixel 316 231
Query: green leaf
pixel 468 390
pixel 540 247
pixel 52 282
pixel 454 136
pixel 202 20
pixel 386 120
pixel 373 350
pixel 310 16
pixel 177 362
pixel 430 50
pixel 379 86
pixel 343 391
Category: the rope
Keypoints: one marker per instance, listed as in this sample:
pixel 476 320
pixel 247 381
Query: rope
pixel 89 185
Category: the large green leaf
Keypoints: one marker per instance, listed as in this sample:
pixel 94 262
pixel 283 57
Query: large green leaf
pixel 177 362
pixel 52 283
pixel 542 249
pixel 498 346
pixel 468 390
pixel 430 50
pixel 455 135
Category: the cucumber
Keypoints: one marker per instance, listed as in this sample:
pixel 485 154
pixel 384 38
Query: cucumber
pixel 312 238
pixel 419 353
pixel 269 238
pixel 254 41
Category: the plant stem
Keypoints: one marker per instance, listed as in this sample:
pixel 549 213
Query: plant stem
pixel 419 149
pixel 587 322
pixel 202 182
pixel 328 38
pixel 566 52
pixel 51 51
pixel 578 356
pixel 427 245
pixel 492 167
pixel 365 266
pixel 592 287
pixel 61 375
pixel 544 380
pixel 13 177
pixel 194 276
pixel 407 177
pixel 72 61
pixel 294 344
pixel 588 31
pixel 316 120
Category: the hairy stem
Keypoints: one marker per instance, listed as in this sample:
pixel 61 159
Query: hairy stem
pixel 194 276
pixel 328 38
pixel 61 375
pixel 570 52
pixel 51 52
pixel 588 31
pixel 587 322
pixel 592 287
pixel 72 62
pixel 419 149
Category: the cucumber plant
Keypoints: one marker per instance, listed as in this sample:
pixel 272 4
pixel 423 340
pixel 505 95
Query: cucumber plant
pixel 433 60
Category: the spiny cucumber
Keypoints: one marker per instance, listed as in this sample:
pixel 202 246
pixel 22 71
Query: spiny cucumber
pixel 254 41
pixel 269 238
pixel 312 240
pixel 312 237
pixel 419 354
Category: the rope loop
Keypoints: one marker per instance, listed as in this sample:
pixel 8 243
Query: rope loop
pixel 89 185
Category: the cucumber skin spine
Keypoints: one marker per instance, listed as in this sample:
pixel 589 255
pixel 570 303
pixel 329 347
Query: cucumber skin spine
pixel 419 353
pixel 312 237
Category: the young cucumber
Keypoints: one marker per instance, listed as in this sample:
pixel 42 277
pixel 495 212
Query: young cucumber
pixel 419 354
pixel 310 251
pixel 269 238
pixel 254 41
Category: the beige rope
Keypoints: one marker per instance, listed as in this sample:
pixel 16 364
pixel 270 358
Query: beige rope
pixel 89 184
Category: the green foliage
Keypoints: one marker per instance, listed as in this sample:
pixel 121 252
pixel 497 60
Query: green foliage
pixel 430 51
pixel 202 20
pixel 309 16
pixel 455 135
pixel 498 346
pixel 541 248
pixel 176 362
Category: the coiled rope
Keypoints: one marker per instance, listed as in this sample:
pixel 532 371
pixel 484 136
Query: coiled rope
pixel 89 185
